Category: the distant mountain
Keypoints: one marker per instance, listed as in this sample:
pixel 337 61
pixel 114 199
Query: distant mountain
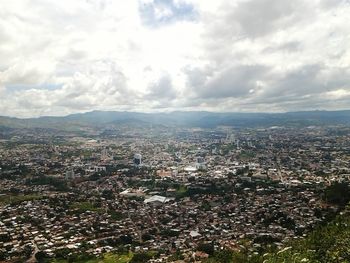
pixel 100 119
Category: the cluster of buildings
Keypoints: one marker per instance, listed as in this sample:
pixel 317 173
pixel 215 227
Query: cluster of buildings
pixel 168 191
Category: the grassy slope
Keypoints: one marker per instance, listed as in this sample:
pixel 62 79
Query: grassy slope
pixel 16 199
pixel 330 243
pixel 106 258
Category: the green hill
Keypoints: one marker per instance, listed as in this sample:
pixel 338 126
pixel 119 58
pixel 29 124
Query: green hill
pixel 326 244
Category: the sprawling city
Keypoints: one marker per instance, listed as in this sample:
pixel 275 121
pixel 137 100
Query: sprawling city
pixel 187 131
pixel 166 194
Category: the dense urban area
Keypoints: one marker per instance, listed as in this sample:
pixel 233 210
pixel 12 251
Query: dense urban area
pixel 158 194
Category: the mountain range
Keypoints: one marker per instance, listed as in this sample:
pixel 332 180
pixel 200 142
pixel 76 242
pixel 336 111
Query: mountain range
pixel 100 119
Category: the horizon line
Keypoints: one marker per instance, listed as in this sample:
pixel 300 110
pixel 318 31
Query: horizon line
pixel 170 112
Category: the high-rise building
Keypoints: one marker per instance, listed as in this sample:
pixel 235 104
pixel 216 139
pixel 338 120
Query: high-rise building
pixel 137 159
pixel 200 163
pixel 200 159
pixel 70 174
pixel 104 154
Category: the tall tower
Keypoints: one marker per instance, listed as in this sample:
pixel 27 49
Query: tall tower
pixel 137 159
pixel 104 154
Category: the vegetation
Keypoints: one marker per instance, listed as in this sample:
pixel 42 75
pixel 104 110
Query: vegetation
pixel 58 184
pixel 143 257
pixel 326 244
pixel 127 257
pixel 105 258
pixel 338 194
pixel 116 215
pixel 16 199
pixel 246 155
pixel 181 191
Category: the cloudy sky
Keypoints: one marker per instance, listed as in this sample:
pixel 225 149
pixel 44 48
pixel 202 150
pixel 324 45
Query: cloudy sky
pixel 61 57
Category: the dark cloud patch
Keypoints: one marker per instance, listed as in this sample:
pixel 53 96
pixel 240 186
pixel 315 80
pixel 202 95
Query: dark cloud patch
pixel 304 80
pixel 305 87
pixel 258 18
pixel 238 81
pixel 303 84
pixel 292 46
pixel 197 78
pixel 162 89
pixel 312 79
pixel 251 22
pixel 254 19
pixel 116 84
pixel 329 4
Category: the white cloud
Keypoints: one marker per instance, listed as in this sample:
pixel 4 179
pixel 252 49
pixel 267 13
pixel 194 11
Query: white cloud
pixel 60 57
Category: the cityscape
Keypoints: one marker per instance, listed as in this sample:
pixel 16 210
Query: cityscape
pixel 166 191
pixel 186 131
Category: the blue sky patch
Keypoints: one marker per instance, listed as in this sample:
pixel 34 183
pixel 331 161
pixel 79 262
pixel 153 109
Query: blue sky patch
pixel 163 12
pixel 22 87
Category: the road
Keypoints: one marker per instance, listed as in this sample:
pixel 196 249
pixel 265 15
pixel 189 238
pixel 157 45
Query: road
pixel 32 259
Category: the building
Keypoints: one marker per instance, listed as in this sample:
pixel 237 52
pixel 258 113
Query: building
pixel 70 174
pixel 137 159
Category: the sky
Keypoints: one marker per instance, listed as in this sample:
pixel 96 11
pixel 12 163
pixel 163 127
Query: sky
pixel 63 57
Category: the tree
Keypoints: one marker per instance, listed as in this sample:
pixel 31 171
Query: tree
pixel 206 247
pixel 140 258
pixel 338 194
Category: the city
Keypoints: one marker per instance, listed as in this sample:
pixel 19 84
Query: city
pixel 186 131
pixel 166 191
